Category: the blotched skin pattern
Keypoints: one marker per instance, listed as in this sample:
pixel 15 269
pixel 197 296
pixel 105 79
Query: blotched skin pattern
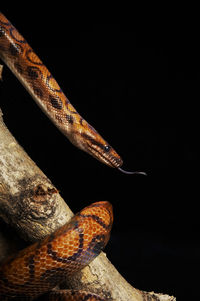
pixel 29 69
pixel 41 266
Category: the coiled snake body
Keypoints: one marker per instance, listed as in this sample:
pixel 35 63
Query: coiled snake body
pixel 40 267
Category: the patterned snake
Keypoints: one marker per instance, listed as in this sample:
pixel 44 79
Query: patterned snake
pixel 40 267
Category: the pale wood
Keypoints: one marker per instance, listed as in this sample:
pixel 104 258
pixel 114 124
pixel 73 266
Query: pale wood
pixel 1 70
pixel 30 203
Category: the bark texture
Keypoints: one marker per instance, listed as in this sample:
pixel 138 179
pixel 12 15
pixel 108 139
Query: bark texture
pixel 31 204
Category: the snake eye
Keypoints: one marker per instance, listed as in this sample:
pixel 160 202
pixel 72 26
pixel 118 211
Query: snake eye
pixel 107 148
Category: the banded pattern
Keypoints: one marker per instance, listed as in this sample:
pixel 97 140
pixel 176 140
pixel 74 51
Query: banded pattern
pixel 29 69
pixel 40 267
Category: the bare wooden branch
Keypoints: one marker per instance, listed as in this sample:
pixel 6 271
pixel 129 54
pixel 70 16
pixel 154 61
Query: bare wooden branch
pixel 28 200
pixel 32 205
pixel 1 70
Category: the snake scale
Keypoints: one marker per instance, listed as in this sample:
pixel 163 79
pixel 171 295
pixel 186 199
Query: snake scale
pixel 40 267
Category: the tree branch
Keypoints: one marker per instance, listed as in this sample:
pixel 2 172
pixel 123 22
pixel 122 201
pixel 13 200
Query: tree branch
pixel 32 205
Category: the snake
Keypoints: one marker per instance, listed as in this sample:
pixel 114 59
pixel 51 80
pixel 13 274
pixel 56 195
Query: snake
pixel 40 267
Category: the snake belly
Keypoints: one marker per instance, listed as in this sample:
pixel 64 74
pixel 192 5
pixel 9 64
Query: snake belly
pixel 40 267
pixel 41 85
pixel 73 295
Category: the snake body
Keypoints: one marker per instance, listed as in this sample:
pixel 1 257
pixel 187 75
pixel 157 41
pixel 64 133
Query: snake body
pixel 41 266
pixel 36 78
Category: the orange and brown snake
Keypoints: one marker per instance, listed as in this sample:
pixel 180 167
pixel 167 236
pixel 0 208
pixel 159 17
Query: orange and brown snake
pixel 41 266
pixel 38 268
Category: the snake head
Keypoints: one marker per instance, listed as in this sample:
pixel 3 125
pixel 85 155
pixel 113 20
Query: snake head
pixel 88 139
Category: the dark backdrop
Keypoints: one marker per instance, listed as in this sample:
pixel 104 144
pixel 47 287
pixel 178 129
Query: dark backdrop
pixel 137 83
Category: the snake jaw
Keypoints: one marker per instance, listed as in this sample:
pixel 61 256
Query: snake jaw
pixel 91 142
pixel 110 158
pixel 85 137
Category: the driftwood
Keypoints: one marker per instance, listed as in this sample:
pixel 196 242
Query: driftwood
pixel 32 205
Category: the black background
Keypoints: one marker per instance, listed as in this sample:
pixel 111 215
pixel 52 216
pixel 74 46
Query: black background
pixel 137 83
